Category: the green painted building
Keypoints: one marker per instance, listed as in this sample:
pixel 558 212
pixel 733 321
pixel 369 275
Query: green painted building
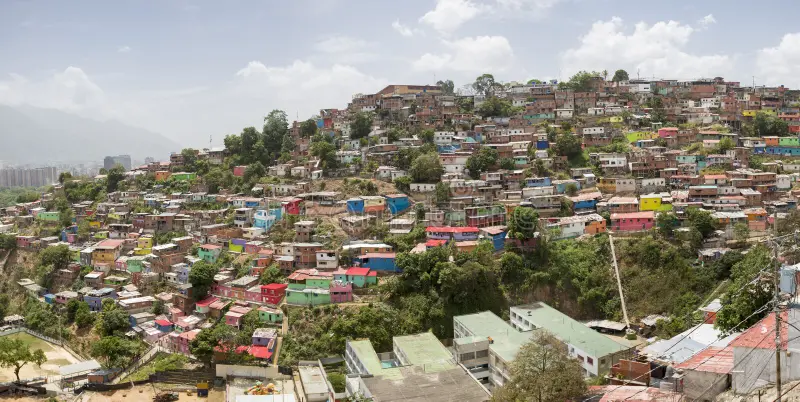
pixel 270 315
pixel 184 176
pixel 47 216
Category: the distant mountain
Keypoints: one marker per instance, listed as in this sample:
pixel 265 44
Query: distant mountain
pixel 34 135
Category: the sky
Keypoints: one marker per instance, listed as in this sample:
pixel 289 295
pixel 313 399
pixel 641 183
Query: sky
pixel 196 71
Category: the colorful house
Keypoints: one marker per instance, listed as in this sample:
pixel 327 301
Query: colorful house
pixel 309 287
pixel 164 325
pixel 209 252
pixel 397 203
pixel 162 175
pixel 452 233
pixel 384 262
pixel 107 251
pixel 270 315
pixel 273 293
pixel 496 234
pixel 234 316
pixel 653 202
pixel 360 277
pixel 293 207
pixel 237 245
pixel 184 176
pixel 202 306
pixel 633 221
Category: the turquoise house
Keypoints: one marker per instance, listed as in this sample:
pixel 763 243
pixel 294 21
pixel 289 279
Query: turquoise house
pixel 360 277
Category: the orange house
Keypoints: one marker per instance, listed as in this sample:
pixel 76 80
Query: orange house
pixel 162 175
pixel 771 141
pixel 595 227
pixel 756 218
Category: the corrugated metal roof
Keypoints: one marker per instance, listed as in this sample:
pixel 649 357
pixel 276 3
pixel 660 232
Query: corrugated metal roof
pixel 711 359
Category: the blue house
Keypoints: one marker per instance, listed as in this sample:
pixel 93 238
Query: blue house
pixel 378 262
pixel 164 325
pixel 50 298
pixel 355 205
pixel 95 298
pixel 783 151
pixel 397 203
pixel 542 144
pixel 538 182
pixel 561 185
pixel 495 234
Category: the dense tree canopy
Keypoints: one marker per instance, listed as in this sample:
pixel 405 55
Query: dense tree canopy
pixel 481 161
pixel 426 168
pixel 620 75
pixel 745 296
pixel 361 125
pixel 201 277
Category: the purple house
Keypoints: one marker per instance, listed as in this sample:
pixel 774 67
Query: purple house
pixel 95 298
pixel 341 292
pixel 264 336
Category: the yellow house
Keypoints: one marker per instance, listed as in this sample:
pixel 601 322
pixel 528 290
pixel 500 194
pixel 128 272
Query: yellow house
pixel 107 251
pixel 94 224
pixel 749 113
pixel 653 202
pixel 144 242
pixel 615 119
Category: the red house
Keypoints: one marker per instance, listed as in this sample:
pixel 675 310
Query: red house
pixel 238 171
pixel 633 221
pixel 293 206
pixel 273 293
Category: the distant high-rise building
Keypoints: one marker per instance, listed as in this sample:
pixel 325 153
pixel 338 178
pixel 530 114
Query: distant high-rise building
pixel 28 177
pixel 111 161
pixel 148 160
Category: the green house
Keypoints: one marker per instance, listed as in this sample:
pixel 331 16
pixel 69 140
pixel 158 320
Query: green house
pixel 45 216
pixel 135 264
pixel 186 176
pixel 270 315
pixel 307 296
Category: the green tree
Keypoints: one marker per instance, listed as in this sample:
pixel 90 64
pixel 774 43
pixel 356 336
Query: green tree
pixel 507 163
pixel 448 87
pixel 402 183
pixel 189 159
pixel 485 85
pixel 496 107
pixel 64 176
pixel 741 232
pixel 725 145
pixel 56 256
pixel 427 136
pixel 83 316
pixel 201 277
pixel 112 320
pixel 582 81
pixel 203 345
pixel 114 177
pixel 481 161
pixel 701 220
pixel 326 153
pixel 571 189
pixel 620 75
pixel 523 223
pixel 442 193
pixel 276 127
pixel 272 275
pixel 569 145
pixel 308 128
pixel 253 172
pixel 115 351
pixel 426 169
pixel 361 125
pixel 666 222
pixel 745 295
pixel 15 353
pixel 542 371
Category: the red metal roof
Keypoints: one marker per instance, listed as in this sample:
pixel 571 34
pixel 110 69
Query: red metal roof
pixel 260 352
pixel 164 323
pixel 274 286
pixel 210 246
pixel 634 215
pixel 762 335
pixel 710 359
pixel 109 244
pixel 632 393
pixel 452 229
pixel 435 243
pixel 357 271
pixel 207 301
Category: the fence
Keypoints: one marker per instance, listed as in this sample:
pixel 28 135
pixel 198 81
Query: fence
pixel 45 338
pixel 141 361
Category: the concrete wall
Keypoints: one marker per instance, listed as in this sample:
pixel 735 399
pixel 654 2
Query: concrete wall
pixel 704 385
pixel 271 372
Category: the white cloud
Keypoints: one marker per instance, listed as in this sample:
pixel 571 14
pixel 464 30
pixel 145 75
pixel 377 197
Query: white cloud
pixel 402 29
pixel 346 49
pixel 448 15
pixel 470 54
pixel 71 90
pixel 779 65
pixel 707 21
pixel 655 50
pixel 124 49
pixel 527 5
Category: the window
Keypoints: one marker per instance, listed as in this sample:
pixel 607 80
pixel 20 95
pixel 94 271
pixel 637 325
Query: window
pixel 481 354
pixel 589 360
pixel 580 357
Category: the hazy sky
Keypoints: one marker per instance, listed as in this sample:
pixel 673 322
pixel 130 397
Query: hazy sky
pixel 191 69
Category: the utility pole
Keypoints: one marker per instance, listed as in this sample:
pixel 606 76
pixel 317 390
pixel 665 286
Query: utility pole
pixel 776 307
pixel 619 283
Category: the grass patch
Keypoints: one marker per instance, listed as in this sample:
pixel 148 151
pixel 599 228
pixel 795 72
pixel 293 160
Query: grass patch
pixel 639 135
pixel 162 362
pixel 32 341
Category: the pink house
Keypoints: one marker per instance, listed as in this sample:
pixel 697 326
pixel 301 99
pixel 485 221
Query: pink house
pixel 667 132
pixel 202 306
pixel 238 171
pixel 341 292
pixel 234 316
pixel 179 343
pixel 633 221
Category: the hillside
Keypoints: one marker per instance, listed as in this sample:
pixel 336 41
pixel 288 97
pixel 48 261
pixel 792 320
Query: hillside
pixel 34 135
